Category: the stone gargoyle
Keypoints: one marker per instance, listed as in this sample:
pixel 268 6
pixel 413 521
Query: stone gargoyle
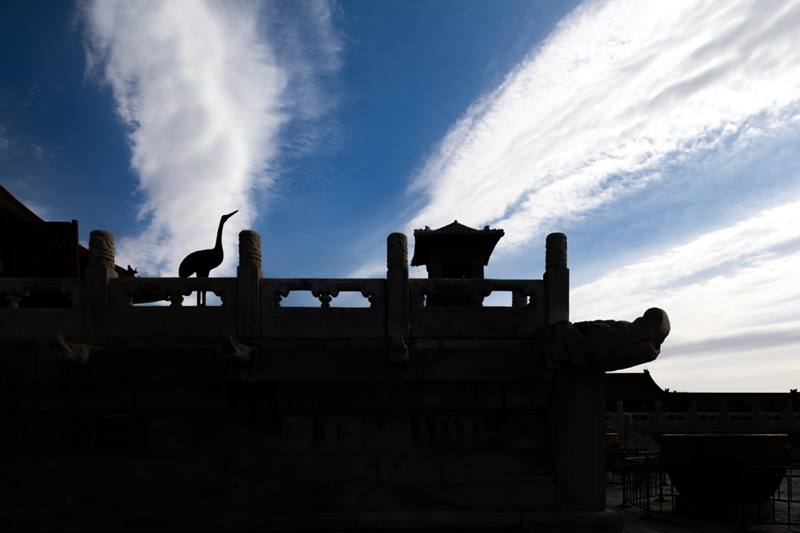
pixel 605 345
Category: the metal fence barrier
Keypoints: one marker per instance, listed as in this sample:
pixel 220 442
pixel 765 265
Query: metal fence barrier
pixel 646 485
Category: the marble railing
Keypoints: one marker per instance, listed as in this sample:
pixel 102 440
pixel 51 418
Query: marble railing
pixel 526 314
pixel 172 318
pixel 249 305
pixel 58 306
pixel 326 319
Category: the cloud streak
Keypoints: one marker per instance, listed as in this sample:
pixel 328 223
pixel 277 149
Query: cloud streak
pixel 5 142
pixel 616 92
pixel 204 98
pixel 731 291
pixel 617 103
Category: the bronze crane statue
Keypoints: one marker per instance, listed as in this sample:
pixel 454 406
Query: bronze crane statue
pixel 202 261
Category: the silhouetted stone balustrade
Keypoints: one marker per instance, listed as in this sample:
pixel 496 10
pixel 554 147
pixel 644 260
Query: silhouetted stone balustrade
pixel 36 305
pixel 252 414
pixel 323 320
pixel 520 320
pixel 714 416
pixel 251 305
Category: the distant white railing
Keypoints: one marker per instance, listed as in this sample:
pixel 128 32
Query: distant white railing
pixel 715 416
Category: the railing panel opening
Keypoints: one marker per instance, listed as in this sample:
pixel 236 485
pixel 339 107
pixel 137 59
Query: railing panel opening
pixel 501 299
pixel 323 307
pixel 307 299
pixel 476 307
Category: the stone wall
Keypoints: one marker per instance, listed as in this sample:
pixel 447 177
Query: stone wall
pixel 252 415
pixel 314 433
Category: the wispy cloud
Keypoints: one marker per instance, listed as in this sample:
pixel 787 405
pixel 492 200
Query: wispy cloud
pixel 619 96
pixel 203 95
pixel 619 89
pixel 5 142
pixel 730 291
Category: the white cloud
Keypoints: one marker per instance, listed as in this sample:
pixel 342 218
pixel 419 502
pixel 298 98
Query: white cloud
pixel 621 92
pixel 204 98
pixel 618 89
pixel 731 295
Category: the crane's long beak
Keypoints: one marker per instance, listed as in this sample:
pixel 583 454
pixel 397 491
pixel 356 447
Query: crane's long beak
pixel 231 214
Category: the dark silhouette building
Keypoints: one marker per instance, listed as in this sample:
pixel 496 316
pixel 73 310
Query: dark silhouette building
pixel 402 414
pixel 636 404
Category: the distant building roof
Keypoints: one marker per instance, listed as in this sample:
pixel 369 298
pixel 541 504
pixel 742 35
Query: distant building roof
pixel 632 385
pixel 428 241
pixel 12 210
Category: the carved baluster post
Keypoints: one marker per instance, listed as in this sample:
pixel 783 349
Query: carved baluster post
pixel 556 278
pixel 518 299
pixel 576 418
pixel 99 272
pixel 397 297
pixel 248 284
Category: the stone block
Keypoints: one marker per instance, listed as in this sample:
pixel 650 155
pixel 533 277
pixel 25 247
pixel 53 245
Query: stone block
pixel 58 434
pixel 573 521
pixel 476 360
pixel 52 366
pixel 505 496
pixel 108 470
pixel 16 470
pixel 162 362
pixel 225 435
pixel 31 508
pixel 326 398
pixel 516 431
pixel 436 520
pixel 446 432
pixel 121 434
pixel 81 398
pixel 14 436
pixel 181 398
pixel 269 496
pixel 17 363
pixel 254 466
pixel 494 466
pixel 300 521
pixel 409 467
pixel 527 397
pixel 333 360
pixel 137 503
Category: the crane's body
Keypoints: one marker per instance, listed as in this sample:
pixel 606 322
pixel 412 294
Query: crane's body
pixel 202 262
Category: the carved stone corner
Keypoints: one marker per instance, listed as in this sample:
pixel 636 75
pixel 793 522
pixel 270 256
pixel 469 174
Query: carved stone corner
pixel 238 354
pixel 397 350
pixel 77 353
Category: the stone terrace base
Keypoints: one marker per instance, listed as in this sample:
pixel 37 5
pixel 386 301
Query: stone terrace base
pixel 399 522
pixel 310 434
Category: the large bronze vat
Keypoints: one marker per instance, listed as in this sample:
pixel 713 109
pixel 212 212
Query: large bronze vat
pixel 725 468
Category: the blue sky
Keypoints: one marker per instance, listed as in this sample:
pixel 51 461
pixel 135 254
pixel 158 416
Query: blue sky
pixel 663 139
